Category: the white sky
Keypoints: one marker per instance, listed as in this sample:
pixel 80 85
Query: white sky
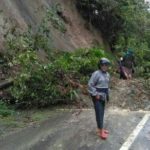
pixel 147 1
pixel 149 4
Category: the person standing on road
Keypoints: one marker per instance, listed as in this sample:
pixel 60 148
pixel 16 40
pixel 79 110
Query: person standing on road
pixel 98 87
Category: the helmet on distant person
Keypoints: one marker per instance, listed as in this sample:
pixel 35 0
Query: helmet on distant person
pixel 129 51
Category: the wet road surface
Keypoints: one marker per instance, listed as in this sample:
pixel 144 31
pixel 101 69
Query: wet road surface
pixel 142 142
pixel 68 130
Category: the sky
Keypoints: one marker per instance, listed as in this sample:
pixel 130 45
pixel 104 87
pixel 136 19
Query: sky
pixel 147 1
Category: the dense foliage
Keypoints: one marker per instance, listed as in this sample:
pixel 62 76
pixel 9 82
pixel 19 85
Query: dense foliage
pixel 40 83
pixel 124 24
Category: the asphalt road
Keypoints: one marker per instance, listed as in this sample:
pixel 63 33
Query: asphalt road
pixel 71 130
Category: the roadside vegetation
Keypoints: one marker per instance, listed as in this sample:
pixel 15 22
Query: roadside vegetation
pixel 59 76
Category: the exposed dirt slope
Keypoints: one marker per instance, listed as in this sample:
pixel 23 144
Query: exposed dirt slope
pixel 131 94
pixel 21 13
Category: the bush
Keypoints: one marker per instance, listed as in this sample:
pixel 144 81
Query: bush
pixel 4 110
pixel 41 85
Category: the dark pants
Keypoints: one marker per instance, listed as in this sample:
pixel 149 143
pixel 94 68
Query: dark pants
pixel 99 107
pixel 122 73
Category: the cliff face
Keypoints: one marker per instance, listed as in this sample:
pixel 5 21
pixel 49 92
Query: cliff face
pixel 22 13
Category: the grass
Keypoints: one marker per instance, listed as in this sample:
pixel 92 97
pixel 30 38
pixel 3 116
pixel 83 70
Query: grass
pixel 21 119
pixel 5 111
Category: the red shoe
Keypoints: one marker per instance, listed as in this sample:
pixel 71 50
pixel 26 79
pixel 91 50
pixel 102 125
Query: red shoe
pixel 106 131
pixel 103 135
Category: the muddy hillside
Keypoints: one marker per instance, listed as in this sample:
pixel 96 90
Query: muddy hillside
pixel 20 14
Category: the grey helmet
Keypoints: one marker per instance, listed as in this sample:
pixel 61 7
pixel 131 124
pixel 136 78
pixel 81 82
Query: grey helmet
pixel 103 61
